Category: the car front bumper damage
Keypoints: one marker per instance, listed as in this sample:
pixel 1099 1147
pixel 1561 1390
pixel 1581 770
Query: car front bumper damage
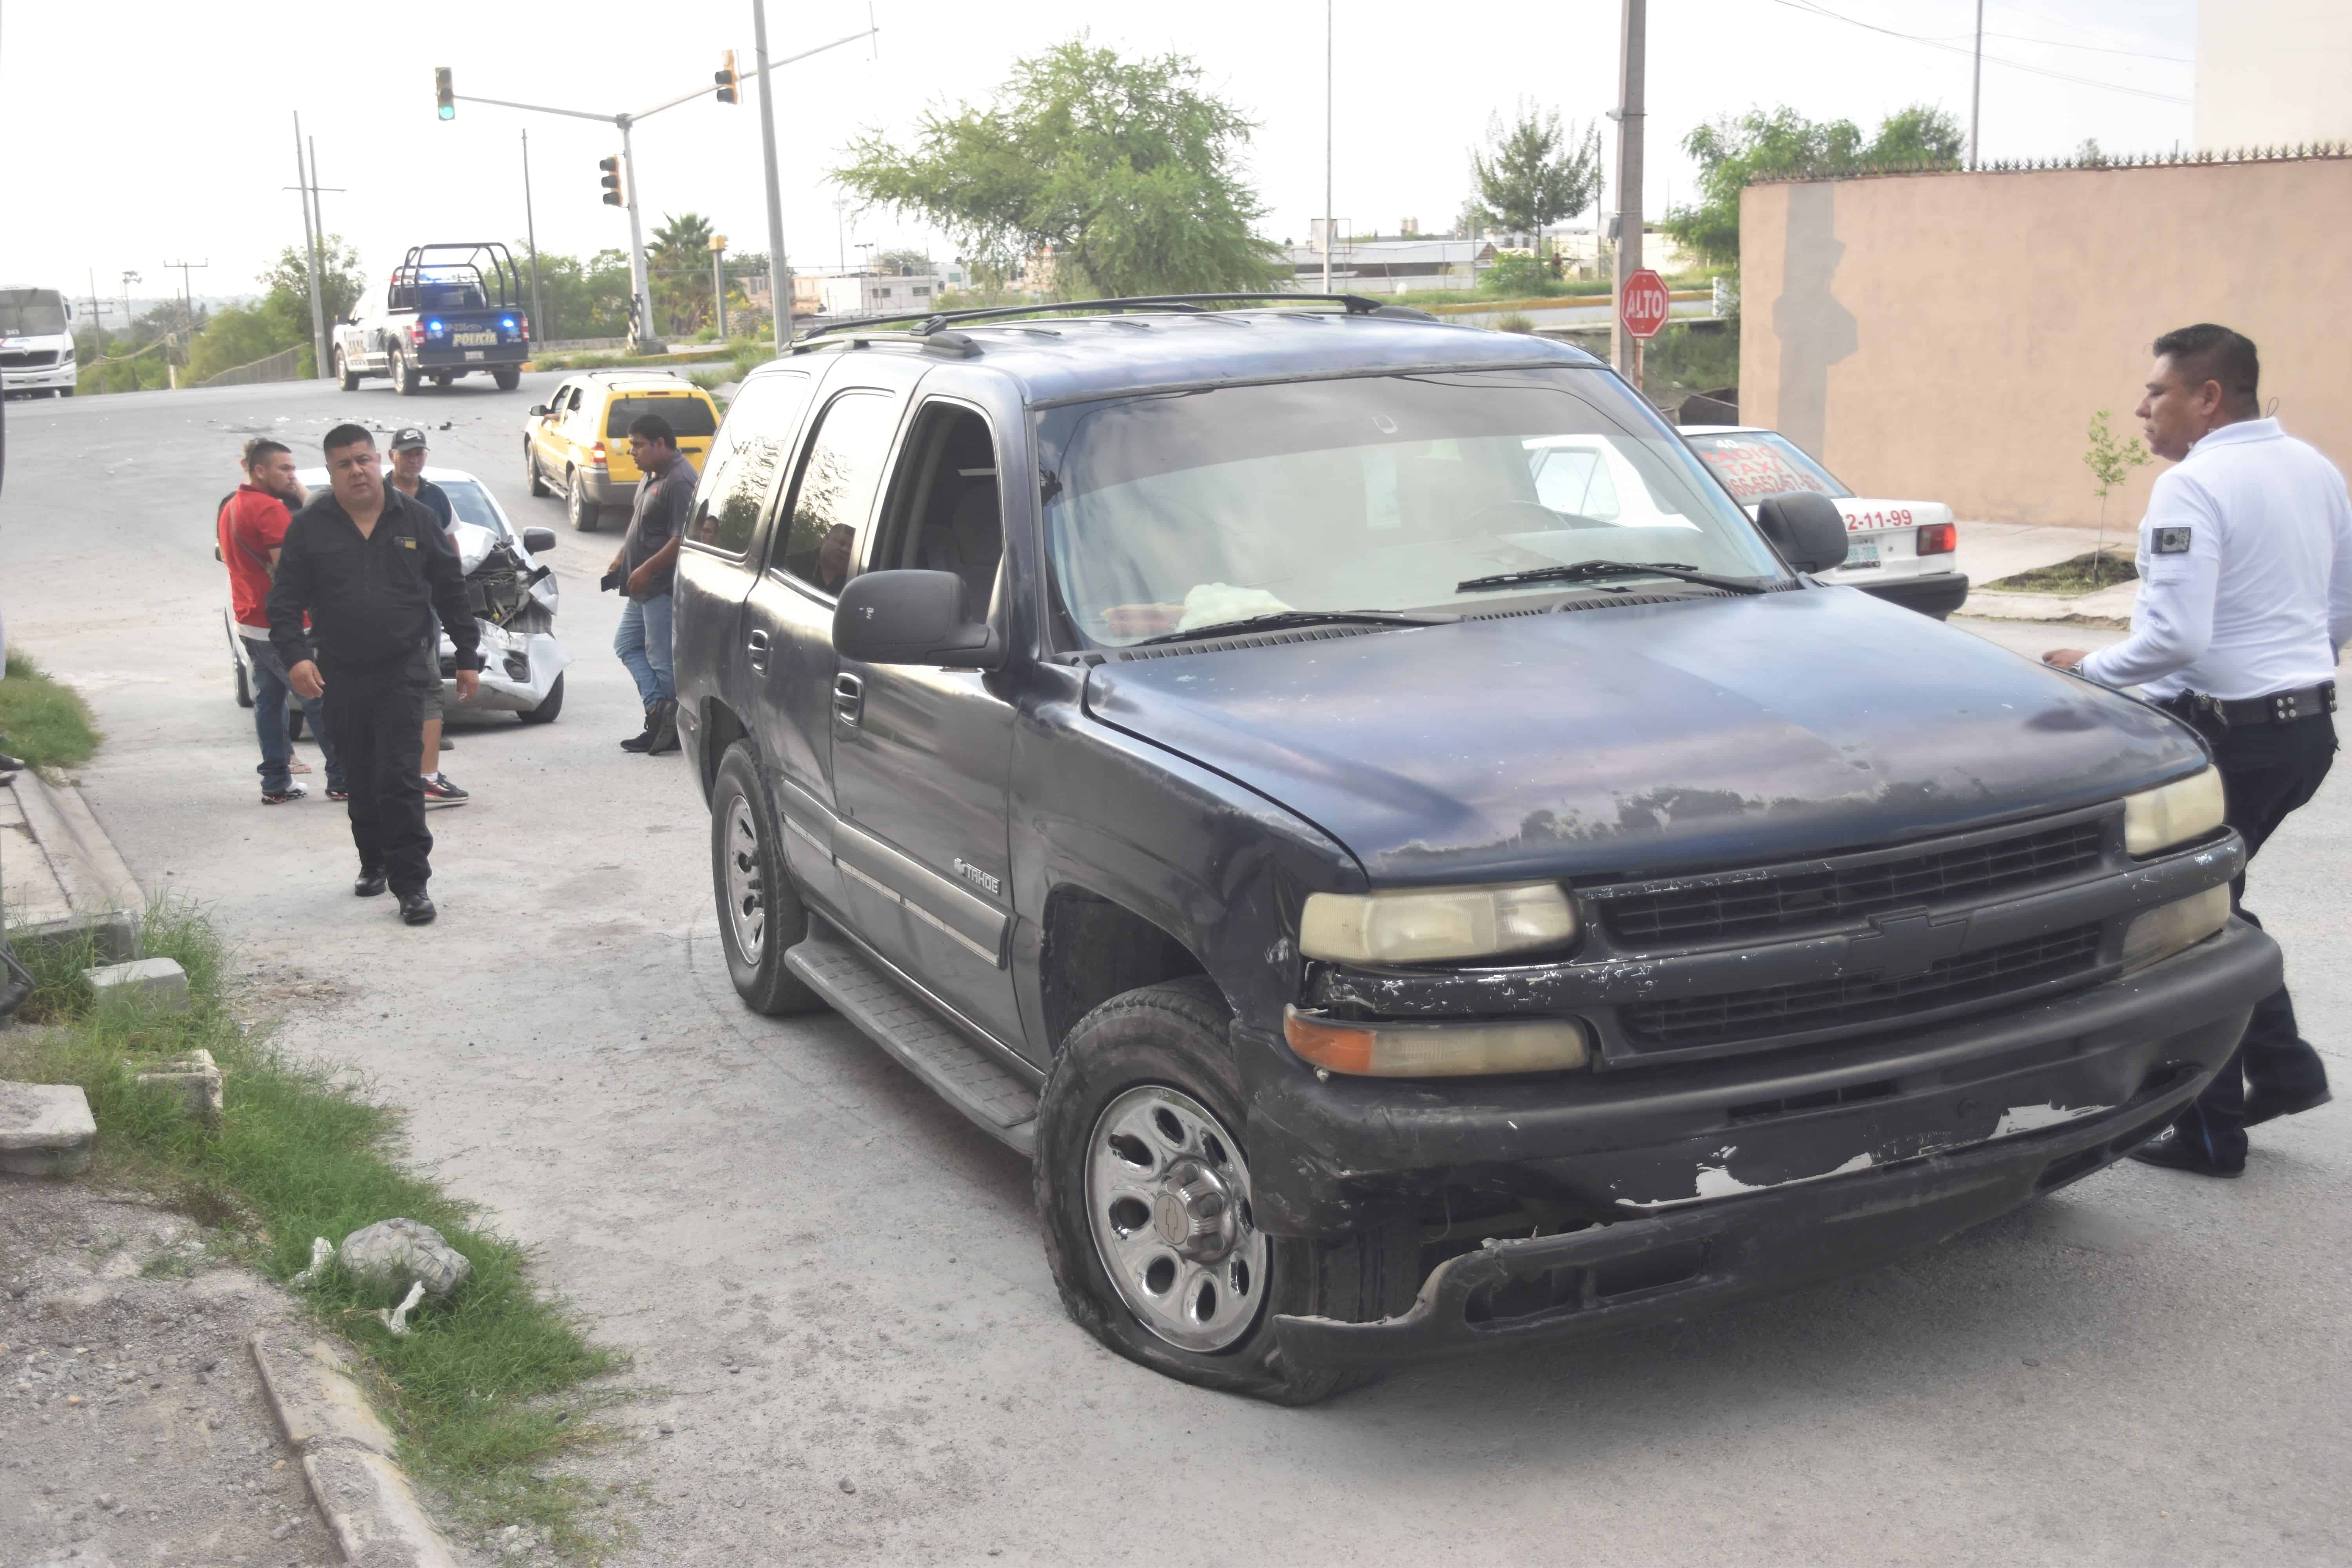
pixel 1726 1181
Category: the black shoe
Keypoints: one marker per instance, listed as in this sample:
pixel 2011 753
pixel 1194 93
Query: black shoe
pixel 2171 1152
pixel 370 882
pixel 416 909
pixel 2267 1108
pixel 665 734
pixel 644 737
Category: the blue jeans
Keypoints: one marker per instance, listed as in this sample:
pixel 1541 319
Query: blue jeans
pixel 271 690
pixel 642 643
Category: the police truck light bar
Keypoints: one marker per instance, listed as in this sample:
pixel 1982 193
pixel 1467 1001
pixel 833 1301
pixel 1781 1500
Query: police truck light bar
pixel 445 94
pixel 612 180
pixel 724 76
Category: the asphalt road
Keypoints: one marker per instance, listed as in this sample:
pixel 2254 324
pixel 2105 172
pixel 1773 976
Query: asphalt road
pixel 835 1278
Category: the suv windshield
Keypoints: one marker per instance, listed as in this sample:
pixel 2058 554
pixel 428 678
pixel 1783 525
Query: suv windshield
pixel 1172 512
pixel 1753 464
pixel 31 313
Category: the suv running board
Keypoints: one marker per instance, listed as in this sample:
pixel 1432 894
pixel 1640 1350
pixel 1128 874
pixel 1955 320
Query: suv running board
pixel 966 1074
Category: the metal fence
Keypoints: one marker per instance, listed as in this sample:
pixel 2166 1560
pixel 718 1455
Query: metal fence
pixel 284 365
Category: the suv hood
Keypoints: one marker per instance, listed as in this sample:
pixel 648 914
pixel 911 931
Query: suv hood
pixel 1694 734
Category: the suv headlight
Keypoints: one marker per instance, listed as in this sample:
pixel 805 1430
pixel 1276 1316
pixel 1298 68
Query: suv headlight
pixel 2173 814
pixel 1422 925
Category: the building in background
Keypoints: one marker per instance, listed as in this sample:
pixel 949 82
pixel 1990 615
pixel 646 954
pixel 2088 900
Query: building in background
pixel 2273 73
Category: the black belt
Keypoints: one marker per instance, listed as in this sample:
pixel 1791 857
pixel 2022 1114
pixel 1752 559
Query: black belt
pixel 2239 713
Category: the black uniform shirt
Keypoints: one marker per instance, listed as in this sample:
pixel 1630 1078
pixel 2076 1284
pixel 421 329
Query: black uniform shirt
pixel 371 599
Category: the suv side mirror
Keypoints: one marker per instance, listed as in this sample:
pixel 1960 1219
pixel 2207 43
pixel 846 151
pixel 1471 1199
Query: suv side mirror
pixel 912 617
pixel 1806 528
pixel 538 541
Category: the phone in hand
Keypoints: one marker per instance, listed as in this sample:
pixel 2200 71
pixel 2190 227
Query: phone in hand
pixel 610 581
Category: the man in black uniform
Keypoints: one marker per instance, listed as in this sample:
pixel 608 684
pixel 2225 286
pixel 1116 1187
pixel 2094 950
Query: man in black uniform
pixel 370 566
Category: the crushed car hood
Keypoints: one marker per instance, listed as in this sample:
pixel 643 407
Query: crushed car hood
pixel 1644 739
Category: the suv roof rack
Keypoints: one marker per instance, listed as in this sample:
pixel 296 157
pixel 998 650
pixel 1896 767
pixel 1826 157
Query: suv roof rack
pixel 930 321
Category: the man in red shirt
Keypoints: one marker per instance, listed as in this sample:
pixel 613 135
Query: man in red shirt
pixel 252 526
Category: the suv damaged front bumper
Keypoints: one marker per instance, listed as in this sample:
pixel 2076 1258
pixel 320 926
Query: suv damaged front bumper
pixel 1707 1182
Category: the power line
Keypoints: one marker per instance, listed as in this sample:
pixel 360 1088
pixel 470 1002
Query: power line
pixel 1811 9
pixel 2096 48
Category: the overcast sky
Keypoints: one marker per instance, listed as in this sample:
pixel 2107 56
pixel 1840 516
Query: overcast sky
pixel 147 134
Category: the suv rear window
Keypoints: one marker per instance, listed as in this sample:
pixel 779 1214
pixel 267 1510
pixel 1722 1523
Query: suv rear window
pixel 686 415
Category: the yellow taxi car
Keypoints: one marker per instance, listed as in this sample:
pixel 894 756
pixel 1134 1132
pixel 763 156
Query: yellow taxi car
pixel 576 444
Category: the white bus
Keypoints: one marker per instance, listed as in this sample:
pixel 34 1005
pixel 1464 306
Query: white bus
pixel 36 349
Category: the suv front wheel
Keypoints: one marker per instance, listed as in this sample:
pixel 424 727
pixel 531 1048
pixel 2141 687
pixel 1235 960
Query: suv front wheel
pixel 1143 1185
pixel 760 912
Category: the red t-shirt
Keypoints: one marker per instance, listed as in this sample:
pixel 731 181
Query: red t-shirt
pixel 251 525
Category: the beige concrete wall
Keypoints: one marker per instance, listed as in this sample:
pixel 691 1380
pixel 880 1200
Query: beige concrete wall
pixel 1946 337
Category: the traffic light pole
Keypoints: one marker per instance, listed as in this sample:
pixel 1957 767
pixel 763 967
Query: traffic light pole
pixel 641 311
pixel 1633 42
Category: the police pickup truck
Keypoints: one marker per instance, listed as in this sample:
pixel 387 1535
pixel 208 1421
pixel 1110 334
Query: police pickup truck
pixel 448 311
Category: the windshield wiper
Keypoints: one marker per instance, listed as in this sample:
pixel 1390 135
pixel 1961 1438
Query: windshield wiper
pixel 1577 571
pixel 1275 620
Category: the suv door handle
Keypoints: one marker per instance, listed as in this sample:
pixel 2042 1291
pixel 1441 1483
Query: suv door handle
pixel 848 697
pixel 758 643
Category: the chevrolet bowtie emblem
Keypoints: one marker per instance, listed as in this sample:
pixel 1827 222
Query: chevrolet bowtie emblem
pixel 1904 945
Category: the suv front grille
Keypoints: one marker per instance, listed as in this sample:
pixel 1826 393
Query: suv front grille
pixel 1781 901
pixel 1797 1009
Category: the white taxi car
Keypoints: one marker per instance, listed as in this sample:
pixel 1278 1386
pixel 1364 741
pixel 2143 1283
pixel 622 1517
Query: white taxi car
pixel 1900 551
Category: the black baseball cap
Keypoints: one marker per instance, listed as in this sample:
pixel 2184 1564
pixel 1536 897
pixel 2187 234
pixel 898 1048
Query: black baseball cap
pixel 408 436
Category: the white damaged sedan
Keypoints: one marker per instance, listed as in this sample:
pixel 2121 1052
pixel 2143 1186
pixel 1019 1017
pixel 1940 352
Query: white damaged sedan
pixel 1900 551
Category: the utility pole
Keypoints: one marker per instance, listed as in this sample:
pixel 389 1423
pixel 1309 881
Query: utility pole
pixel 98 309
pixel 127 279
pixel 319 361
pixel 1976 86
pixel 1331 49
pixel 187 295
pixel 780 272
pixel 718 284
pixel 531 238
pixel 1625 350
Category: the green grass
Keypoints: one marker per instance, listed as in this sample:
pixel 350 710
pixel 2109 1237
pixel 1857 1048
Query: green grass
pixel 42 721
pixel 485 1394
pixel 2086 573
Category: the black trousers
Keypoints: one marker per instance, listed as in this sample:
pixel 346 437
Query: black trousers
pixel 375 716
pixel 2267 771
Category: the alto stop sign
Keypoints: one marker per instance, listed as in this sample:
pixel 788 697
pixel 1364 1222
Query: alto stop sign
pixel 1643 304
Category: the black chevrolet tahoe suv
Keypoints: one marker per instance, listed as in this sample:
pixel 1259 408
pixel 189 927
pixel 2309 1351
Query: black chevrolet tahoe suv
pixel 1411 861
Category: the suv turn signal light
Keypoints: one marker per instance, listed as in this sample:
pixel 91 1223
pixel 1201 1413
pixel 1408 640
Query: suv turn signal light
pixel 1436 1050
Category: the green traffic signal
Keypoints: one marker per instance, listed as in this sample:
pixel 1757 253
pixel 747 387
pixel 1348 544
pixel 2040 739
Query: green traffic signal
pixel 443 93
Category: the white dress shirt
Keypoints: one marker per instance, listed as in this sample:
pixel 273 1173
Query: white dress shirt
pixel 2246 567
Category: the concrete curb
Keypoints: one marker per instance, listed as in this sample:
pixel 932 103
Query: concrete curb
pixel 94 889
pixel 348 1458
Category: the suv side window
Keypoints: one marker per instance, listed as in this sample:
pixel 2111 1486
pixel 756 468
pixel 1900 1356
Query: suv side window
pixel 836 493
pixel 943 514
pixel 744 460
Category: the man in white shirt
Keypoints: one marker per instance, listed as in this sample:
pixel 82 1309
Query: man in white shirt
pixel 2245 599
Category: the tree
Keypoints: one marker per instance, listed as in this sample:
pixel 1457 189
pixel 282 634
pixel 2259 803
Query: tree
pixel 340 281
pixel 1733 153
pixel 680 261
pixel 2111 462
pixel 1124 169
pixel 583 299
pixel 1535 170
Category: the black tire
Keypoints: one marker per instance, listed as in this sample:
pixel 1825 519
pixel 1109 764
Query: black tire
pixel 345 376
pixel 532 478
pixel 1175 1035
pixel 507 380
pixel 547 709
pixel 65 392
pixel 760 977
pixel 405 379
pixel 585 514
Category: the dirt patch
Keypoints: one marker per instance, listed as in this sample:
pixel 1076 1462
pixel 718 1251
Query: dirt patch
pixel 2086 573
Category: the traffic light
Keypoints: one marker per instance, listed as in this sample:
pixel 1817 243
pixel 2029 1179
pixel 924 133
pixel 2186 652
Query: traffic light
pixel 725 78
pixel 611 182
pixel 443 93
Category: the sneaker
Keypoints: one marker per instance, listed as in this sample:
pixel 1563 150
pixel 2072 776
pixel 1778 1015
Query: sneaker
pixel 293 791
pixel 439 791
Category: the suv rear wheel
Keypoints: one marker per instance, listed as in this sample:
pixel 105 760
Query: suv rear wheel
pixel 760 911
pixel 1143 1185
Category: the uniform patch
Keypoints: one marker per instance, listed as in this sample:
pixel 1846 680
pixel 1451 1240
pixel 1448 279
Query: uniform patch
pixel 2172 541
pixel 408 543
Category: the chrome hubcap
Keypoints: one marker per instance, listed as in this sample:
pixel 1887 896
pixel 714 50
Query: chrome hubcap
pixel 747 893
pixel 1167 1200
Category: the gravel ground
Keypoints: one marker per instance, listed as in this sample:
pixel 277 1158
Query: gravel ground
pixel 132 1428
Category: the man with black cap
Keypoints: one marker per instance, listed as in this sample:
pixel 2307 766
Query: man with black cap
pixel 370 566
pixel 407 477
